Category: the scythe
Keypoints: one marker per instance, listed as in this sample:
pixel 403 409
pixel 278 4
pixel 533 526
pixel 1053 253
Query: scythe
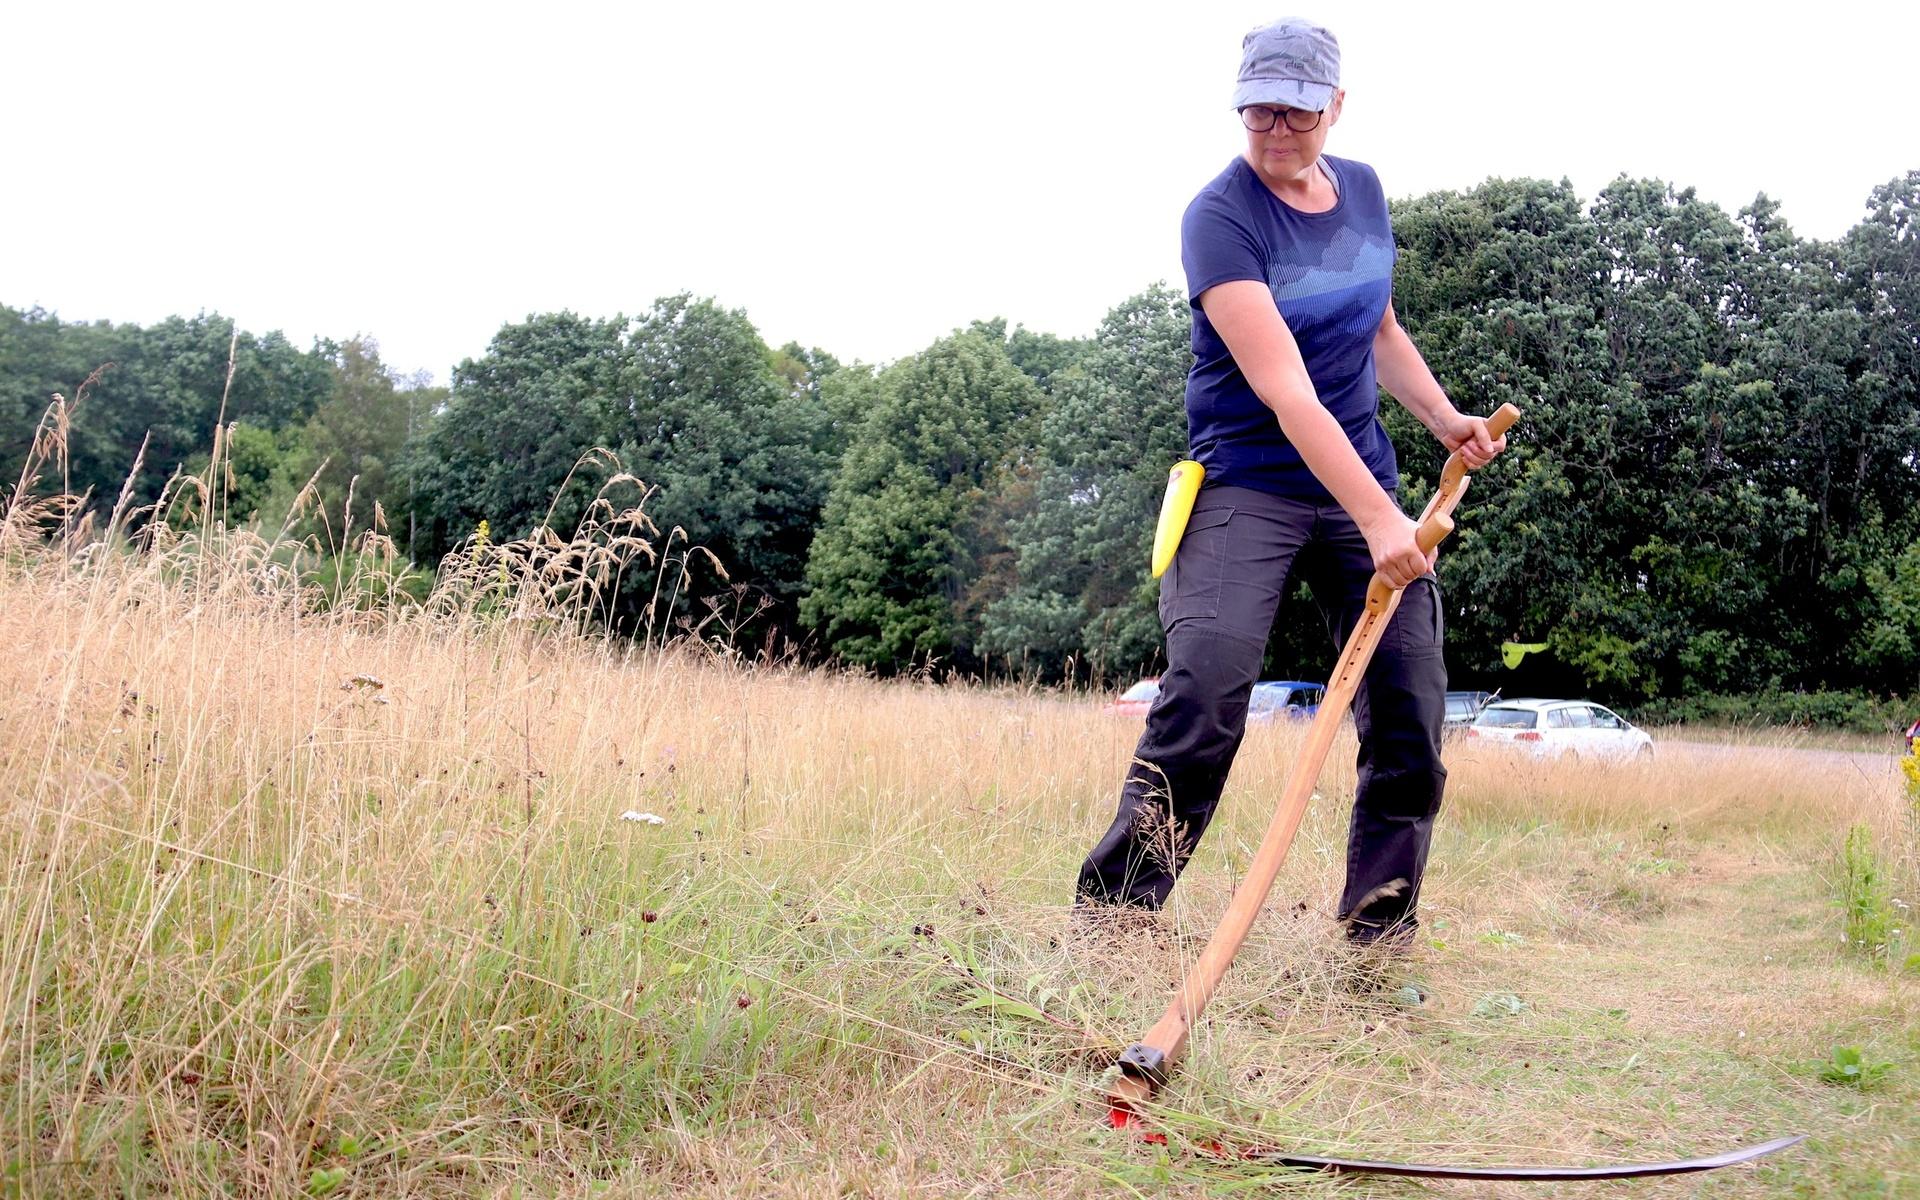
pixel 1144 1067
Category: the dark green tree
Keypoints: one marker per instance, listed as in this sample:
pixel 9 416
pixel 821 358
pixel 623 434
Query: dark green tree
pixel 1040 356
pixel 516 422
pixel 737 452
pixel 257 478
pixel 729 453
pixel 910 515
pixel 163 386
pixel 1709 461
pixel 1082 591
pixel 353 449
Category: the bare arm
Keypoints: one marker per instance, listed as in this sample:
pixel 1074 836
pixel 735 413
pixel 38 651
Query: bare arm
pixel 1404 373
pixel 1243 313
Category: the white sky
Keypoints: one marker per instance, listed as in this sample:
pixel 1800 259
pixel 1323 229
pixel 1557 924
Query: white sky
pixel 860 177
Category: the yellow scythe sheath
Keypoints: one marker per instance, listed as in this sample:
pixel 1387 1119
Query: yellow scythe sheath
pixel 1183 484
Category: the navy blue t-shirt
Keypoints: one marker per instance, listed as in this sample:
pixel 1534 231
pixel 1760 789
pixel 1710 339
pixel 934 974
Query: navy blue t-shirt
pixel 1331 275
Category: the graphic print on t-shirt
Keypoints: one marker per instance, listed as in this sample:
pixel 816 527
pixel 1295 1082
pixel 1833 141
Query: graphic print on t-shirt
pixel 1346 261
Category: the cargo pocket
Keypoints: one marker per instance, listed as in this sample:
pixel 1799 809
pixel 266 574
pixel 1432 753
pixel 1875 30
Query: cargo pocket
pixel 1419 624
pixel 1191 587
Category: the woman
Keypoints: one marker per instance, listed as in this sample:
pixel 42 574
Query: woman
pixel 1289 261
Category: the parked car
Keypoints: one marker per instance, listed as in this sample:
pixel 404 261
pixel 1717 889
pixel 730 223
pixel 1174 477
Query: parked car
pixel 1560 729
pixel 1288 699
pixel 1463 707
pixel 1136 700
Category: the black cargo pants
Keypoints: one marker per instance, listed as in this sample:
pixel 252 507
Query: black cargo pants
pixel 1217 605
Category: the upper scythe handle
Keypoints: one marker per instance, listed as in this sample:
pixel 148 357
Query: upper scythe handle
pixel 1497 426
pixel 1502 420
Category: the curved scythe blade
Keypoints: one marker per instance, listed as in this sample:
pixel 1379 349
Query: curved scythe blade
pixel 1123 1119
pixel 1683 1166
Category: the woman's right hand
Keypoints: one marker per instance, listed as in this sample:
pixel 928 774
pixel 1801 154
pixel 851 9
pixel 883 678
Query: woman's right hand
pixel 1397 557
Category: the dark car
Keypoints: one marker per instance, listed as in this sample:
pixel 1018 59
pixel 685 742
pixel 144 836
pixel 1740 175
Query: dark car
pixel 1463 707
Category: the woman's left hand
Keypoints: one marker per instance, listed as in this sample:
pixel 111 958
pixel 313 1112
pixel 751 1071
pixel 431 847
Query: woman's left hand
pixel 1468 437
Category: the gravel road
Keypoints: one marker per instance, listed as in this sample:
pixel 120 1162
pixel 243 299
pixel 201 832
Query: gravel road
pixel 1873 766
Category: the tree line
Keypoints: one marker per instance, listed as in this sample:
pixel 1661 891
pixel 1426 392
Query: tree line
pixel 1715 490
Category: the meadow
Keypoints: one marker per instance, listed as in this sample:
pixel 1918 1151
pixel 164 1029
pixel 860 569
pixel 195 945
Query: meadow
pixel 459 898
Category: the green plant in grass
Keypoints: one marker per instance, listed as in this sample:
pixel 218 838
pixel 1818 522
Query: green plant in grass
pixel 1849 1066
pixel 1866 896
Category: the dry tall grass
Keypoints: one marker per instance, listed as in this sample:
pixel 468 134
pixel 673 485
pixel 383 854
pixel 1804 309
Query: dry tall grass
pixel 299 901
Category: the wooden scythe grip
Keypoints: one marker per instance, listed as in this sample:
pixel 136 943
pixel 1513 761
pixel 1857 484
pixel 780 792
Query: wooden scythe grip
pixel 1433 530
pixel 1502 420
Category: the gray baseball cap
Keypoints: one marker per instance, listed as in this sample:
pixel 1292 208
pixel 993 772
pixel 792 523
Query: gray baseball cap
pixel 1292 62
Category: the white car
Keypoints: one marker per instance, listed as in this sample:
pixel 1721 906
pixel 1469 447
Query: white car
pixel 1559 729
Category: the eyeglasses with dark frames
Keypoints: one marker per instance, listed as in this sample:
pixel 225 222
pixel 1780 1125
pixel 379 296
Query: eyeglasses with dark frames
pixel 1260 118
